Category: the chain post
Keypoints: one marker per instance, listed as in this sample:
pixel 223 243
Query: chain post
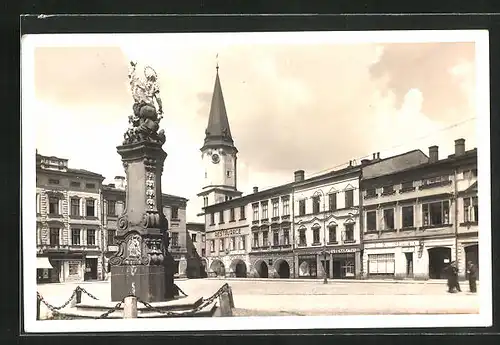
pixel 78 295
pixel 38 302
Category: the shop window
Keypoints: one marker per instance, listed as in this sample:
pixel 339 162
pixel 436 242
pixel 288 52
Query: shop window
pixel 382 264
pixel 74 268
pixel 212 246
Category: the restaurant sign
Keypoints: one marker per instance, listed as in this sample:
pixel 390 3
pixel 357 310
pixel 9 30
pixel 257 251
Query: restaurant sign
pixel 229 232
pixel 343 250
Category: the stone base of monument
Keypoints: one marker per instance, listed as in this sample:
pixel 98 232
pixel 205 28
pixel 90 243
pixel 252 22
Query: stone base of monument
pixel 181 306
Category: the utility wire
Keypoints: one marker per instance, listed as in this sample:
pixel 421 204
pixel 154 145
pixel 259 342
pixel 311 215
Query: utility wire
pixel 443 129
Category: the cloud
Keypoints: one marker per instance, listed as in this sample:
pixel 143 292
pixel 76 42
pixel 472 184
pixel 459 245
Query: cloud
pixel 79 76
pixel 290 106
pixel 427 66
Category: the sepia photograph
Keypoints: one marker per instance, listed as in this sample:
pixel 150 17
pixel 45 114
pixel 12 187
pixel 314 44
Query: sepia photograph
pixel 279 180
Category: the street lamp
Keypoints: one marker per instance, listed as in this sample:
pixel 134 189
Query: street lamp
pixel 325 279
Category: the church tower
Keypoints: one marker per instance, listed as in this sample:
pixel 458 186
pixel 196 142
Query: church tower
pixel 219 154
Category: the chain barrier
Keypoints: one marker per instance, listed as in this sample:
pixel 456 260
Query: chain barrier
pixel 86 292
pixel 52 308
pixel 115 308
pixel 223 289
pixel 205 302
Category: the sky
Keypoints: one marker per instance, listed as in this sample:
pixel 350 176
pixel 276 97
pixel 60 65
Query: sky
pixel 305 105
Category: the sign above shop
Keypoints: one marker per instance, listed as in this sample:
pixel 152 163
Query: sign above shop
pixel 392 244
pixel 224 233
pixel 343 250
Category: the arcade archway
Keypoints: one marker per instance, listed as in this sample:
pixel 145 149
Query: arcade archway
pixel 439 258
pixel 282 268
pixel 239 268
pixel 262 269
pixel 218 268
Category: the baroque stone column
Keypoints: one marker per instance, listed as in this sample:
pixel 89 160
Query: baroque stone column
pixel 142 264
pixel 143 267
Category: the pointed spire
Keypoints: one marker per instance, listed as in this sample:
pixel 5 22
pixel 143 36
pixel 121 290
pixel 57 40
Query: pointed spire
pixel 218 132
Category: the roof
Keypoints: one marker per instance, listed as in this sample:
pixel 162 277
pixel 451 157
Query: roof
pixel 435 165
pixel 218 132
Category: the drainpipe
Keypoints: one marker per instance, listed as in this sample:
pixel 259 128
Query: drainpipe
pixel 103 268
pixel 455 209
pixel 361 225
pixel 292 218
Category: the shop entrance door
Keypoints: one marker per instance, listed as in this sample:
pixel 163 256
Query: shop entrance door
pixel 337 269
pixel 90 269
pixel 409 265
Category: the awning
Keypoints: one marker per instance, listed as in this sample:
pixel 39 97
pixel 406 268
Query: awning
pixel 43 262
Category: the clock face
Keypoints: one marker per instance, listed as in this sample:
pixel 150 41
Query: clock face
pixel 215 158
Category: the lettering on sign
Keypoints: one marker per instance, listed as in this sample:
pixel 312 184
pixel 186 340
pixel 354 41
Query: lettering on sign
pixel 343 250
pixel 392 244
pixel 224 233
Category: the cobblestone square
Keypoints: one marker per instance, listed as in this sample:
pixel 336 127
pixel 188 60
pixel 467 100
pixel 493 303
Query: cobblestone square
pixel 308 298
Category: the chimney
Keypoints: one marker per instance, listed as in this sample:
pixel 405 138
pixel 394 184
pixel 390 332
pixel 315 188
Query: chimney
pixel 459 147
pixel 374 155
pixel 350 163
pixel 433 154
pixel 378 155
pixel 255 189
pixel 299 175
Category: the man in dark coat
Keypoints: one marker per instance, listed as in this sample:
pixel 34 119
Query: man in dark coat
pixel 455 276
pixel 450 279
pixel 472 272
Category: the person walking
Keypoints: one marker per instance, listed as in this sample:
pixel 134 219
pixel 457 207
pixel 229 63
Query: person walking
pixel 449 280
pixel 454 268
pixel 472 273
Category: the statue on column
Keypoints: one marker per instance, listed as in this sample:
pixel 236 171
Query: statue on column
pixel 147 108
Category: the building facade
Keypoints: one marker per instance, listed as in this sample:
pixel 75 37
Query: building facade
pixel 419 213
pixel 327 224
pixel 227 239
pixel 195 244
pixel 77 223
pixel 174 208
pixel 271 254
pixel 69 222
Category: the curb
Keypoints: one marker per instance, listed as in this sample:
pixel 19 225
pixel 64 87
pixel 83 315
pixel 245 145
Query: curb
pixel 298 280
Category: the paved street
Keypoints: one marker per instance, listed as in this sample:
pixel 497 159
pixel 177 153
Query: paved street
pixel 288 297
